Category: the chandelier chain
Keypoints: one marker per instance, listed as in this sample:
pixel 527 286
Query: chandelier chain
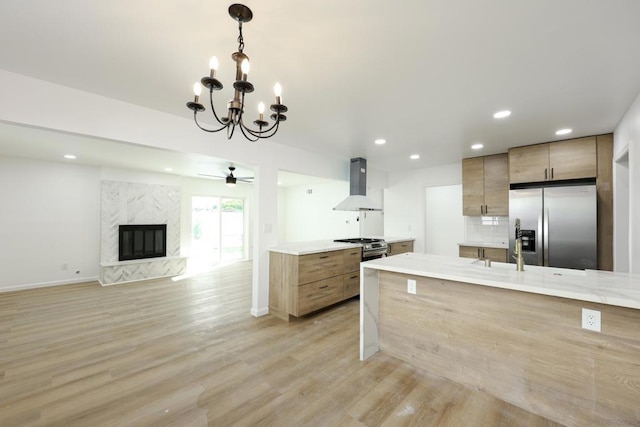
pixel 240 38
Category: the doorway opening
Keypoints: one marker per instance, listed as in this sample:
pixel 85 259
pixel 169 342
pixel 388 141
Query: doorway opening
pixel 217 231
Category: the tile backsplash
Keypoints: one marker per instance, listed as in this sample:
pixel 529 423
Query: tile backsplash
pixel 487 229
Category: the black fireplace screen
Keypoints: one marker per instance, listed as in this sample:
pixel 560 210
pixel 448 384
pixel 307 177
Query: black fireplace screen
pixel 142 241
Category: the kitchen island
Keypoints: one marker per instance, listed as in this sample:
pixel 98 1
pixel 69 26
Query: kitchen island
pixel 515 335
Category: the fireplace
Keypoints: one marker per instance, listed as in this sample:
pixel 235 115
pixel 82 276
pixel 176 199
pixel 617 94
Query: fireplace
pixel 142 241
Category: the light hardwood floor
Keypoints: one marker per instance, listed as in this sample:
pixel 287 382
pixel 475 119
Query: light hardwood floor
pixel 187 353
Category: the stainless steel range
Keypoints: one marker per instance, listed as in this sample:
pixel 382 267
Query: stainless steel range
pixel 371 248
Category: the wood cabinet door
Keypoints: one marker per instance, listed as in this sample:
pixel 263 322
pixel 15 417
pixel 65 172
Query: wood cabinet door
pixel 529 164
pixel 472 186
pixel 469 252
pixel 496 185
pixel 575 158
pixel 352 258
pixel 351 284
pixel 496 254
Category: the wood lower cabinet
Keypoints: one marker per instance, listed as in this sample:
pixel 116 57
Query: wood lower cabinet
pixel 396 248
pixel 554 161
pixel 485 186
pixel 479 252
pixel 302 284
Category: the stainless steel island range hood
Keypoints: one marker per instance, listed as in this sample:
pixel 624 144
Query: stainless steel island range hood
pixel 358 200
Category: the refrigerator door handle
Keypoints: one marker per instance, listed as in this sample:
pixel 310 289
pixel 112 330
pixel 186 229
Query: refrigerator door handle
pixel 545 236
pixel 539 241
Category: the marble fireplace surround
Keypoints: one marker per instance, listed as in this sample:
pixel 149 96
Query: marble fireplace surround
pixel 137 203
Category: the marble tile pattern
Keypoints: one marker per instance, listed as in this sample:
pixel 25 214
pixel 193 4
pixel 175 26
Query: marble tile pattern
pixel 154 268
pixel 137 203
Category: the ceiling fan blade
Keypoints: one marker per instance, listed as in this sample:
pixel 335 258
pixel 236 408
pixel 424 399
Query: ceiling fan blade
pixel 211 176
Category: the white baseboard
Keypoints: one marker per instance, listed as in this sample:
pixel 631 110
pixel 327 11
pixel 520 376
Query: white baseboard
pixel 26 286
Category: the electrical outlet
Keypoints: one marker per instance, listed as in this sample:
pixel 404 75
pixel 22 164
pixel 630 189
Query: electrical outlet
pixel 411 286
pixel 591 319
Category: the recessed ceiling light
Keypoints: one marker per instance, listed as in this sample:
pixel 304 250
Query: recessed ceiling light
pixel 563 131
pixel 477 146
pixel 414 156
pixel 168 169
pixel 380 141
pixel 502 114
pixel 69 156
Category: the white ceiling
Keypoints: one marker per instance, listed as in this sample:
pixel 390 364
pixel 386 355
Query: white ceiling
pixel 426 75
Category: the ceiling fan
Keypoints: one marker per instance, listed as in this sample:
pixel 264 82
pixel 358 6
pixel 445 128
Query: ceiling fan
pixel 229 178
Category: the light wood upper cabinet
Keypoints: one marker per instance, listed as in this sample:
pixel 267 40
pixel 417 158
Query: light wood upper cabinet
pixel 485 186
pixel 576 158
pixel 528 164
pixel 554 161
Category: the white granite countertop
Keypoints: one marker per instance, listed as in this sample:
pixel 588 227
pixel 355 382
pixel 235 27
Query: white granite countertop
pixel 315 246
pixel 311 247
pixel 501 245
pixel 618 289
pixel 392 239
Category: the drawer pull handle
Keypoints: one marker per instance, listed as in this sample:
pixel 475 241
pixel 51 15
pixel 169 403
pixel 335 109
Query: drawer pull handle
pixel 354 277
pixel 324 287
pixel 324 256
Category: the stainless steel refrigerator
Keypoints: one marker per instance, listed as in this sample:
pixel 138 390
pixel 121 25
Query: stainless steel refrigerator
pixel 559 226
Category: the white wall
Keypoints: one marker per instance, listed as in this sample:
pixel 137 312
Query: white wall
pixel 306 212
pixel 404 200
pixel 626 141
pixel 49 223
pixel 444 223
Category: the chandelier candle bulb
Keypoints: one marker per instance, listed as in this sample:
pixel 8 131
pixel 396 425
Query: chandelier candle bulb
pixel 213 65
pixel 197 90
pixel 277 89
pixel 261 110
pixel 245 69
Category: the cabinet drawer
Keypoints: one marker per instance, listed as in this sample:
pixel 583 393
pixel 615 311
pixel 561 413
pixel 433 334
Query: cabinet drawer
pixel 316 295
pixel 352 259
pixel 400 247
pixel 351 284
pixel 320 266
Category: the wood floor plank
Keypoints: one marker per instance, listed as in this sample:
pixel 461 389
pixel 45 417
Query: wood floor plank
pixel 188 353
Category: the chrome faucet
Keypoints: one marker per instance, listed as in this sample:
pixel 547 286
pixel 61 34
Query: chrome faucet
pixel 517 254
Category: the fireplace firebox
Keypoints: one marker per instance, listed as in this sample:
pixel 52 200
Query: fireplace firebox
pixel 142 241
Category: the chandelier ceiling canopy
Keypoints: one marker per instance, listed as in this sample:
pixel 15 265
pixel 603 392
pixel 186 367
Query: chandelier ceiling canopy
pixel 235 107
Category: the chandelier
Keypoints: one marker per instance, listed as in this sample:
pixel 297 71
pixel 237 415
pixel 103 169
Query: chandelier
pixel 235 107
